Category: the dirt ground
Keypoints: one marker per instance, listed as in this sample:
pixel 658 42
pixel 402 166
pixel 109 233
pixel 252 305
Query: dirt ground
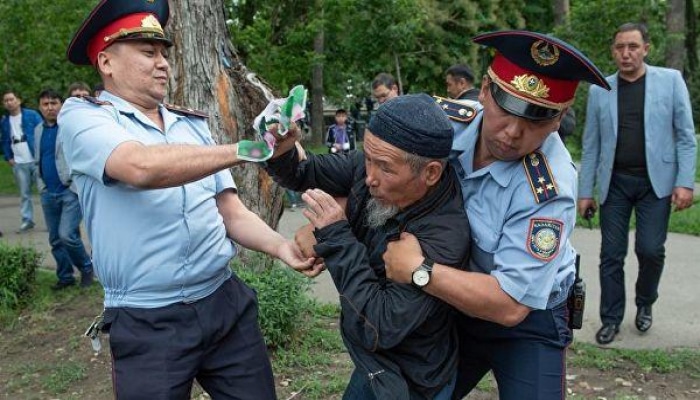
pixel 45 356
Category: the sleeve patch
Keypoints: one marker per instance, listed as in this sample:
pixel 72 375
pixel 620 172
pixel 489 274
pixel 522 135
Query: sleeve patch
pixel 544 237
pixel 540 177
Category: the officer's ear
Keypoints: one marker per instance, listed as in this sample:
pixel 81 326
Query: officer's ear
pixel 485 81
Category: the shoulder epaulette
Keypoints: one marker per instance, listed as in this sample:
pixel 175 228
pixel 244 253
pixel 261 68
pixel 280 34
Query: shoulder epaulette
pixel 540 177
pixel 95 100
pixel 185 111
pixel 457 110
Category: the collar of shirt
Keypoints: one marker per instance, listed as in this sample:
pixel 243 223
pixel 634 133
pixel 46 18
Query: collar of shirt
pixel 124 107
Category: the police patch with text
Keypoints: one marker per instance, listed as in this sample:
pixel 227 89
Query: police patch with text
pixel 544 237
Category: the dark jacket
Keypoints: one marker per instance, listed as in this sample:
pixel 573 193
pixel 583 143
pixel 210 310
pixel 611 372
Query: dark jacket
pixel 401 337
pixel 471 94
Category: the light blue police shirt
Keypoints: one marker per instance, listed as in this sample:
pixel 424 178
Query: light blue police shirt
pixel 150 248
pixel 522 243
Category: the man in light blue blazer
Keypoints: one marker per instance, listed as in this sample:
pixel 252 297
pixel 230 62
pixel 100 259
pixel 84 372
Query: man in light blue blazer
pixel 639 147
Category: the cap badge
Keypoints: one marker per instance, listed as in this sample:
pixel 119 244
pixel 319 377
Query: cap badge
pixel 544 53
pixel 531 85
pixel 151 22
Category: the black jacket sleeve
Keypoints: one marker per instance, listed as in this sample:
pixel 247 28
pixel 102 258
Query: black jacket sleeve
pixel 377 314
pixel 332 173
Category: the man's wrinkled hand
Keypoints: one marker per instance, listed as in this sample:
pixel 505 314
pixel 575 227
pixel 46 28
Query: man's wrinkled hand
pixel 402 257
pixel 322 209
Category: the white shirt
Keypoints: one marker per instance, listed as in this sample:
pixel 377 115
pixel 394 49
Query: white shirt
pixel 21 149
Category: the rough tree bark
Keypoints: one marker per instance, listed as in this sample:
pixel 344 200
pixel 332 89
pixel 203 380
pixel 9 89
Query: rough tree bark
pixel 208 75
pixel 317 83
pixel 675 33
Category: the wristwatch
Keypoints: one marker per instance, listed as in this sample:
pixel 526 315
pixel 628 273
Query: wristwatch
pixel 421 275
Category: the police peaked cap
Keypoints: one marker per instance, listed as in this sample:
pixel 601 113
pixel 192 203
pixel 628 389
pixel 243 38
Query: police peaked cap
pixel 118 20
pixel 535 76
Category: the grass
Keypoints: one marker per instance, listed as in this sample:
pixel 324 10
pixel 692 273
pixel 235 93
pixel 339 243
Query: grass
pixel 659 361
pixel 7 179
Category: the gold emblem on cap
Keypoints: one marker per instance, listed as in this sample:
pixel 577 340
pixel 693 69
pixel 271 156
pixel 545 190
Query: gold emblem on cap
pixel 151 22
pixel 149 26
pixel 531 85
pixel 544 53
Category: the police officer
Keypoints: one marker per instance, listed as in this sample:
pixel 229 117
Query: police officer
pixel 162 213
pixel 519 190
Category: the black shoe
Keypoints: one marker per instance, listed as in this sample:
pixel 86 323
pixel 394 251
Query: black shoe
pixel 86 279
pixel 643 319
pixel 62 285
pixel 607 333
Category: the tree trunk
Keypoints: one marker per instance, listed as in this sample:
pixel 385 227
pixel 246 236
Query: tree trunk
pixel 317 83
pixel 561 12
pixel 675 28
pixel 207 75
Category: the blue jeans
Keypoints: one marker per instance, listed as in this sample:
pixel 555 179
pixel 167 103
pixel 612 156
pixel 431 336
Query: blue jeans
pixel 62 214
pixel 25 176
pixel 652 214
pixel 359 388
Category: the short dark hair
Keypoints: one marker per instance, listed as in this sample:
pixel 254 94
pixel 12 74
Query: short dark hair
pixel 461 71
pixel 340 111
pixel 11 91
pixel 78 86
pixel 385 79
pixel 50 94
pixel 98 87
pixel 633 26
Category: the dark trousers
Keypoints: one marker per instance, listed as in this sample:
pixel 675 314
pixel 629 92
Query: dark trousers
pixel 157 353
pixel 652 214
pixel 528 360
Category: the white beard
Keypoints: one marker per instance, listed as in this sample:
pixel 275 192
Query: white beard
pixel 378 214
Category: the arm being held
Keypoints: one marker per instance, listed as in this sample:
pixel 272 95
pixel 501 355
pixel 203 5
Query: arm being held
pixel 247 229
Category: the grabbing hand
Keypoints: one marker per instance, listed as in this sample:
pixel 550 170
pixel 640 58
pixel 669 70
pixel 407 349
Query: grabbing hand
pixel 305 239
pixel 291 255
pixel 285 143
pixel 323 209
pixel 402 257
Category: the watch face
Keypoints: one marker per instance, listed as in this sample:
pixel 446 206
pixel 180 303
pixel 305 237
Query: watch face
pixel 421 277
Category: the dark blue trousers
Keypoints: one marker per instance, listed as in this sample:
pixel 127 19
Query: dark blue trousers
pixel 157 353
pixel 652 215
pixel 528 360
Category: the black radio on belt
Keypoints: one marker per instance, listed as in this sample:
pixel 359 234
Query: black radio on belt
pixel 577 299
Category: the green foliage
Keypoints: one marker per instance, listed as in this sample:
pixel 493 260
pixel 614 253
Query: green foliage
pixel 35 37
pixel 591 31
pixel 18 267
pixel 282 299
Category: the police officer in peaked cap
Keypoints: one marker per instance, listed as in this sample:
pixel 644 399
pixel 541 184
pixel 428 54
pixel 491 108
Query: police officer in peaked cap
pixel 519 190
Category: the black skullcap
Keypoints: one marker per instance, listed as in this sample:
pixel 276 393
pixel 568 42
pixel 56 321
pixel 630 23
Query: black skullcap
pixel 414 123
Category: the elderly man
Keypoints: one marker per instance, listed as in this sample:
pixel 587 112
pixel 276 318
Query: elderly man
pixel 162 214
pixel 401 340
